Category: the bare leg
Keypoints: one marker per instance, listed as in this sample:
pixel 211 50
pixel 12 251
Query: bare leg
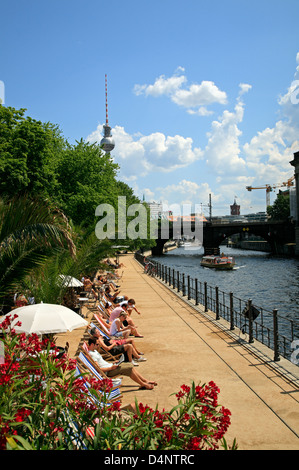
pixel 133 328
pixel 141 380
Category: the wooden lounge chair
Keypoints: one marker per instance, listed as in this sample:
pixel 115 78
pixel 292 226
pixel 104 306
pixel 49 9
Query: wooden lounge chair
pixel 103 325
pixel 108 354
pixel 96 398
pixel 91 366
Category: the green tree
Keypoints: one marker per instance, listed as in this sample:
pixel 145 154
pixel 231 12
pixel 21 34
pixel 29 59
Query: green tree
pixel 86 179
pixel 280 210
pixel 28 154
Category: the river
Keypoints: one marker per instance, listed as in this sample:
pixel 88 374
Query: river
pixel 270 281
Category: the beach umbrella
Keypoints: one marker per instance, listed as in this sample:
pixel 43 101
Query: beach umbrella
pixel 46 318
pixel 69 281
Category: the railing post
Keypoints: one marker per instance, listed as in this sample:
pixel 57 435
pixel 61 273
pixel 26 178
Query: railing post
pixel 183 284
pixel 178 281
pixel 231 308
pixel 206 296
pixel 251 340
pixel 217 303
pixel 188 280
pixel 275 336
pixel 173 281
pixel 196 291
pixel 169 277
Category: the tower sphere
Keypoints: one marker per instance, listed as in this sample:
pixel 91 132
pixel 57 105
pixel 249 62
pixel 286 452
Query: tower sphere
pixel 107 141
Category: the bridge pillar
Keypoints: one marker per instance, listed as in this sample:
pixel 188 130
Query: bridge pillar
pixel 295 163
pixel 159 248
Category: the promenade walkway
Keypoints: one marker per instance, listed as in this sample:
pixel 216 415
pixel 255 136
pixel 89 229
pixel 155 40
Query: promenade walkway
pixel 183 345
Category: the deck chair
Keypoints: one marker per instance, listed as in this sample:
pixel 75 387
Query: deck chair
pixel 74 437
pixel 94 398
pixel 100 329
pixel 102 324
pixel 105 354
pixel 93 368
pixel 103 309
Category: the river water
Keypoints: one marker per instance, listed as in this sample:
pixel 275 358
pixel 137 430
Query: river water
pixel 271 282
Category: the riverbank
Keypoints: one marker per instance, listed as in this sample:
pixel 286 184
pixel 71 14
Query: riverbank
pixel 182 345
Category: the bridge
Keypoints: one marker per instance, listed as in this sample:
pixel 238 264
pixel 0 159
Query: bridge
pixel 276 233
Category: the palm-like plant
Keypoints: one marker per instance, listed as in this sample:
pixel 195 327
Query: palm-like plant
pixel 29 230
pixel 44 283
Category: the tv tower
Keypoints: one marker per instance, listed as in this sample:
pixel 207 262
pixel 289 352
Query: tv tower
pixel 107 142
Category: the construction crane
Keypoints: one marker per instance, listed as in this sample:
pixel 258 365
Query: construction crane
pixel 270 188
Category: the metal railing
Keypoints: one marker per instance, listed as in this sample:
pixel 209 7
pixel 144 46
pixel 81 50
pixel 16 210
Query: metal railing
pixel 267 326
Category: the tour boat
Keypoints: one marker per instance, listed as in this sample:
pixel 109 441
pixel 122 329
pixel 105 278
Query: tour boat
pixel 218 262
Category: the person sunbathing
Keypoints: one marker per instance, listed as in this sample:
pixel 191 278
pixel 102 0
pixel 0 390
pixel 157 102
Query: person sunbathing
pixel 124 307
pixel 113 369
pixel 119 329
pixel 127 349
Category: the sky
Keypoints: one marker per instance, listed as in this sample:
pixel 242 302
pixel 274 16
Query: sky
pixel 203 96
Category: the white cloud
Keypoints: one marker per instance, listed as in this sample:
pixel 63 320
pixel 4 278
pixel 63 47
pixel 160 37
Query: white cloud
pixel 222 152
pixel 199 95
pixel 140 155
pixel 185 192
pixel 162 86
pixel 194 96
pixel 268 153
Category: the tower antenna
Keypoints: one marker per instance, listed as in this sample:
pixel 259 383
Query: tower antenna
pixel 107 142
pixel 106 92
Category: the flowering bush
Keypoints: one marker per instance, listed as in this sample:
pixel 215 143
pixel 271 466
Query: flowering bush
pixel 44 404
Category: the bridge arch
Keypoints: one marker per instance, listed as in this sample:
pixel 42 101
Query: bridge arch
pixel 276 233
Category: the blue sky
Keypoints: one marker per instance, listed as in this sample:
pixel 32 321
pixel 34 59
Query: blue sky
pixel 202 94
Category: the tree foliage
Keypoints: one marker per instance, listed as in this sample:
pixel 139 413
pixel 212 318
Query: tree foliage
pixel 280 210
pixel 29 230
pixel 37 160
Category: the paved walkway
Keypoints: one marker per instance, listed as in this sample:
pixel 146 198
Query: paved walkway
pixel 183 345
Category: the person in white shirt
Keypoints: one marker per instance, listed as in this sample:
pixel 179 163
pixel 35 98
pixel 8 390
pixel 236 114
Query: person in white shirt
pixel 113 369
pixel 119 328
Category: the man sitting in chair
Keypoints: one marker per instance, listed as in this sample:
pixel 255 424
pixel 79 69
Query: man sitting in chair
pixel 113 369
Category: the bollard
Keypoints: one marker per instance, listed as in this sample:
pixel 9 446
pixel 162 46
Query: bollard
pixel 275 336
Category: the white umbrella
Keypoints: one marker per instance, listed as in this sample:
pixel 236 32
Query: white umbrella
pixel 46 318
pixel 69 281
